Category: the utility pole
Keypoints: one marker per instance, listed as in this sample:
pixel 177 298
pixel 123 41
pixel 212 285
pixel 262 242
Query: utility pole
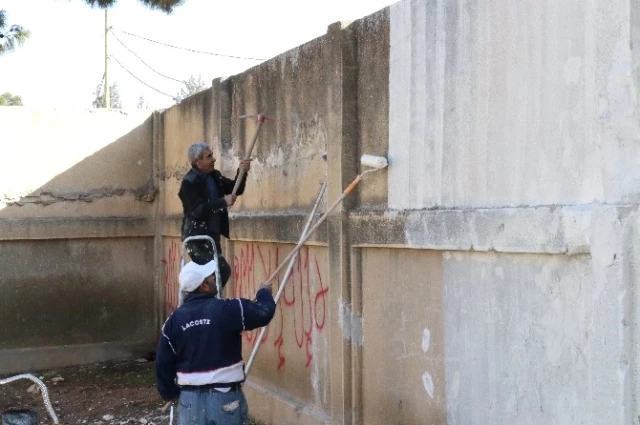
pixel 107 94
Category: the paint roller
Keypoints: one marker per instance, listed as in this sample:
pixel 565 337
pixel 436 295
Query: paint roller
pixel 369 163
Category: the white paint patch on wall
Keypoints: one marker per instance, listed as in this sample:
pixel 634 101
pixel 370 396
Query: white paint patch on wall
pixel 352 325
pixel 426 340
pixel 427 382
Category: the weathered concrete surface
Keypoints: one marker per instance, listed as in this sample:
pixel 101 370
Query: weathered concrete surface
pixel 108 304
pixel 401 376
pixel 288 166
pixel 372 82
pixel 522 144
pixel 77 275
pixel 95 163
pixel 182 125
pixel 512 104
pixel 294 357
pixel 519 341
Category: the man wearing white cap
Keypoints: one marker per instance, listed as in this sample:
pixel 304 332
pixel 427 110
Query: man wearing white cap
pixel 201 346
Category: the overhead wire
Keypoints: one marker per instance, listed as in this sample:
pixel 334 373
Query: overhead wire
pixel 189 49
pixel 142 60
pixel 134 76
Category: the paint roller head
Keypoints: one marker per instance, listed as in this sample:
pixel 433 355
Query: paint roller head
pixel 372 161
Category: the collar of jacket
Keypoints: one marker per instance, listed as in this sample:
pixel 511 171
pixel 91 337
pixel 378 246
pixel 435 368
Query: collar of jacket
pixel 198 172
pixel 197 296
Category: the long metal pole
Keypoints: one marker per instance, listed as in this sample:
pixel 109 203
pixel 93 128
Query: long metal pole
pixel 321 220
pixel 285 279
pixel 107 94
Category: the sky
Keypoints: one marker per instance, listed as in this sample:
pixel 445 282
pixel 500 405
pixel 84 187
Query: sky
pixel 63 60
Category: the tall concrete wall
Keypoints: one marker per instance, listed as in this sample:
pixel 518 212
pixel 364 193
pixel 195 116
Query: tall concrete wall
pixel 513 144
pixel 76 237
pixel 487 276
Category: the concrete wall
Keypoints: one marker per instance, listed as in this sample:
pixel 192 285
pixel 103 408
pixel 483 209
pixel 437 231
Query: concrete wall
pixel 76 237
pixel 513 139
pixel 488 276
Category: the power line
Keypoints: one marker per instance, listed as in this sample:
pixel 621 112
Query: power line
pixel 131 73
pixel 188 49
pixel 141 60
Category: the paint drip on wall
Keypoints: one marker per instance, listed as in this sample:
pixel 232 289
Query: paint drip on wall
pixel 352 325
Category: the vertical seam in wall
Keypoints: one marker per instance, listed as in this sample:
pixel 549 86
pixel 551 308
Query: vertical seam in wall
pixel 158 214
pixel 357 369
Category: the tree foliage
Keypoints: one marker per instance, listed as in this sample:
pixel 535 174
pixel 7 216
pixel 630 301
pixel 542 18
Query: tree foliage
pixel 7 99
pixel 10 36
pixel 114 96
pixel 191 86
pixel 142 103
pixel 164 5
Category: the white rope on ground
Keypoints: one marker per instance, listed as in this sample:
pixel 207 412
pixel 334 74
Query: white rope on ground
pixel 43 389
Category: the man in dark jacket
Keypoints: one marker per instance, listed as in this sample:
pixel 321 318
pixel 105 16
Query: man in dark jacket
pixel 201 346
pixel 206 195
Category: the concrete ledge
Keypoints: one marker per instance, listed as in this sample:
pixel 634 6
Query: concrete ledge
pixel 35 359
pixel 171 226
pixel 278 228
pixel 272 407
pixel 285 227
pixel 75 228
pixel 540 230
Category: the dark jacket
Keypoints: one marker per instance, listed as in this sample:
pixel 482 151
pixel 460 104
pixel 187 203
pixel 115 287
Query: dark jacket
pixel 202 215
pixel 201 342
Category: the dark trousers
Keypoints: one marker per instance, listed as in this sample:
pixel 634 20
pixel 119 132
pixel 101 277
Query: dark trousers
pixel 201 252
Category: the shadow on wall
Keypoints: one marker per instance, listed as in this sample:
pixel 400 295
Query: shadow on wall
pixel 77 251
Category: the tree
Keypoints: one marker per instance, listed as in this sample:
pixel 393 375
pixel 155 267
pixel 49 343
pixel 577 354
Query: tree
pixel 164 5
pixel 7 99
pixel 114 95
pixel 142 104
pixel 14 36
pixel 191 86
pixel 10 37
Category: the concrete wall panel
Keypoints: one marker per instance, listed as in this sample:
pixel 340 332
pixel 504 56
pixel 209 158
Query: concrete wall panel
pixel 73 163
pixel 373 101
pixel 184 124
pixel 287 169
pixel 497 104
pixel 403 350
pixel 76 236
pixel 518 340
pixel 74 292
pixel 294 357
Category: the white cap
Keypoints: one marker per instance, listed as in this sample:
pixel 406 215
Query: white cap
pixel 193 274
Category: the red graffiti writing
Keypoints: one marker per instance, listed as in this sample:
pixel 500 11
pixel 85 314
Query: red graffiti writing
pixel 303 302
pixel 171 265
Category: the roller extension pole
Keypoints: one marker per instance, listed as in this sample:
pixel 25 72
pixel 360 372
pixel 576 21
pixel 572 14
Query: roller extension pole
pixel 260 118
pixel 285 279
pixel 377 163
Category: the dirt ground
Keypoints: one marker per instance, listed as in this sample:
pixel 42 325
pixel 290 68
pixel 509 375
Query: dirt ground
pixel 103 393
pixel 111 393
